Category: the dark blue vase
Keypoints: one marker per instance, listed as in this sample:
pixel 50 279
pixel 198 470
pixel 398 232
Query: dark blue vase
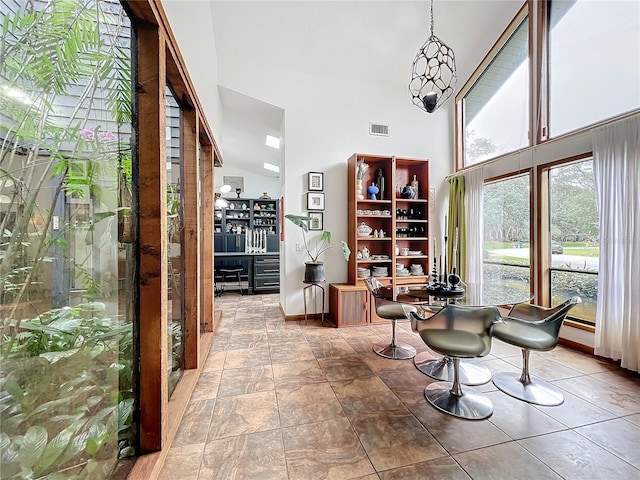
pixel 372 190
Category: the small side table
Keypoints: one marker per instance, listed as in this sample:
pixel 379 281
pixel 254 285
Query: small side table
pixel 313 286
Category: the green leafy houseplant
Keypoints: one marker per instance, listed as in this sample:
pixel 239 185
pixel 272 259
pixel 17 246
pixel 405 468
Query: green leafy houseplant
pixel 66 369
pixel 314 269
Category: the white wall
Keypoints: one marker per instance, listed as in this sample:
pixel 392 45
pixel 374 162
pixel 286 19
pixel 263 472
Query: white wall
pixel 192 26
pixel 326 121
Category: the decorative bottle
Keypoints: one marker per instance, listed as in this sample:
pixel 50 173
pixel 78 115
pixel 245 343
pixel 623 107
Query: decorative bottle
pixel 414 185
pixel 380 184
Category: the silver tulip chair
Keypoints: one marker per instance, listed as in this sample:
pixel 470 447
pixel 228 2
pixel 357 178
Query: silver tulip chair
pixel 458 332
pixel 393 311
pixel 531 327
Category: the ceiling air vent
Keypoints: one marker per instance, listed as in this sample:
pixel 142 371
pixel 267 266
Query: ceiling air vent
pixel 378 129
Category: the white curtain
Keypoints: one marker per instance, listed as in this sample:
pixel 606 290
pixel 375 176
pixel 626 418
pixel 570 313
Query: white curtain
pixel 474 220
pixel 616 168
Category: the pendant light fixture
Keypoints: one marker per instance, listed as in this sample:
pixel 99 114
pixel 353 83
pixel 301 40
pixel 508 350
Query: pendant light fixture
pixel 433 73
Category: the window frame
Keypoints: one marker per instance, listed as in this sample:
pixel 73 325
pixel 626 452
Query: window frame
pixel 523 13
pixel 543 237
pixel 529 173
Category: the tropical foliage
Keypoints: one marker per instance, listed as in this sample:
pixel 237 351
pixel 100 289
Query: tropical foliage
pixel 66 386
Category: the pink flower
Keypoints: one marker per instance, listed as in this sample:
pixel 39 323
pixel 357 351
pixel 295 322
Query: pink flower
pixel 87 133
pixel 107 137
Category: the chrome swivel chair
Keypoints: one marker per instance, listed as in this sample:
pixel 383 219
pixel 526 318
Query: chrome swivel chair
pixel 394 311
pixel 458 332
pixel 440 367
pixel 531 327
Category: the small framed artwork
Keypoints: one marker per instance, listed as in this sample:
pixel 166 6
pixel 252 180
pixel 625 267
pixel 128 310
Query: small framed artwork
pixel 316 220
pixel 315 181
pixel 315 201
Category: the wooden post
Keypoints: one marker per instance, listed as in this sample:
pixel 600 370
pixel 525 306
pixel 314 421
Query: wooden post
pixel 191 182
pixel 206 260
pixel 153 390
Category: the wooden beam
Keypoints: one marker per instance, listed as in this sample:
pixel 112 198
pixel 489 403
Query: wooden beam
pixel 191 256
pixel 152 175
pixel 206 259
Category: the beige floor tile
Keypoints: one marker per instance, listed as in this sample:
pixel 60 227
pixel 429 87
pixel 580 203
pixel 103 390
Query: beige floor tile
pixel 444 468
pixel 214 362
pixel 344 368
pixel 307 403
pixel 298 373
pixel 617 399
pixel 330 347
pixel 237 381
pixel 247 357
pixel 255 456
pixel 328 450
pixel 194 426
pixel 395 438
pixel 504 461
pixel 576 412
pixel 616 436
pixel 364 395
pixel 338 415
pixel 457 435
pixel 581 361
pixel 207 386
pixel 635 419
pixel 519 419
pixel 290 352
pixel 248 340
pixel 574 456
pixel 289 335
pixel 253 412
pixel 182 462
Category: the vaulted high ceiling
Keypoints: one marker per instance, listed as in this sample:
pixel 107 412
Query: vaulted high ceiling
pixel 372 40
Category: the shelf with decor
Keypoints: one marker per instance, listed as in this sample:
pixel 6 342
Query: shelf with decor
pixel 246 232
pixel 388 234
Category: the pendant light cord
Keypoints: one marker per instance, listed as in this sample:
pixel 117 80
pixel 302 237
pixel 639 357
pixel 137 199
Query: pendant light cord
pixel 431 32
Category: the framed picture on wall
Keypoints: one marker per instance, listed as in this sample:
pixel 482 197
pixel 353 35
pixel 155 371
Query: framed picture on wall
pixel 315 181
pixel 316 222
pixel 315 201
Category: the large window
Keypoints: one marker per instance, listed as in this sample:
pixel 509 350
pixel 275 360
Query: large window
pixel 175 230
pixel 574 237
pixel 594 62
pixel 496 107
pixel 507 232
pixel 67 270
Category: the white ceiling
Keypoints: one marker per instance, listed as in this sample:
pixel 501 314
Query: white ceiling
pixel 376 40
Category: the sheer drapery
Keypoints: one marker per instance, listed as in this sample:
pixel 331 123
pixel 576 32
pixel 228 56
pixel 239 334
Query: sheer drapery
pixel 474 219
pixel 616 168
pixel 456 231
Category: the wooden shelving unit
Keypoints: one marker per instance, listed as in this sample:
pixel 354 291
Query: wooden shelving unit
pixel 404 223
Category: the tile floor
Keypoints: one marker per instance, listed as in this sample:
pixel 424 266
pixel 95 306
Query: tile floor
pixel 294 400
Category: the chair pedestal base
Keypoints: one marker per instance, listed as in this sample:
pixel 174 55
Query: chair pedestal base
pixel 397 352
pixel 441 368
pixel 394 350
pixel 536 391
pixel 470 405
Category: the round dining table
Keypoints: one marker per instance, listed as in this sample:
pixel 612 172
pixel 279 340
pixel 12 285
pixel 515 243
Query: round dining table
pixel 432 298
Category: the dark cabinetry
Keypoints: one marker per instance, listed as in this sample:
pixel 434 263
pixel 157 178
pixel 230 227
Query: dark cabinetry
pixel 246 233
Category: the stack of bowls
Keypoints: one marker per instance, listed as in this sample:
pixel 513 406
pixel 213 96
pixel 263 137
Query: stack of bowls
pixel 379 271
pixel 364 272
pixel 416 269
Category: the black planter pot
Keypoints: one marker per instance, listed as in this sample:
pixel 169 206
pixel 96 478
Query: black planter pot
pixel 313 272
